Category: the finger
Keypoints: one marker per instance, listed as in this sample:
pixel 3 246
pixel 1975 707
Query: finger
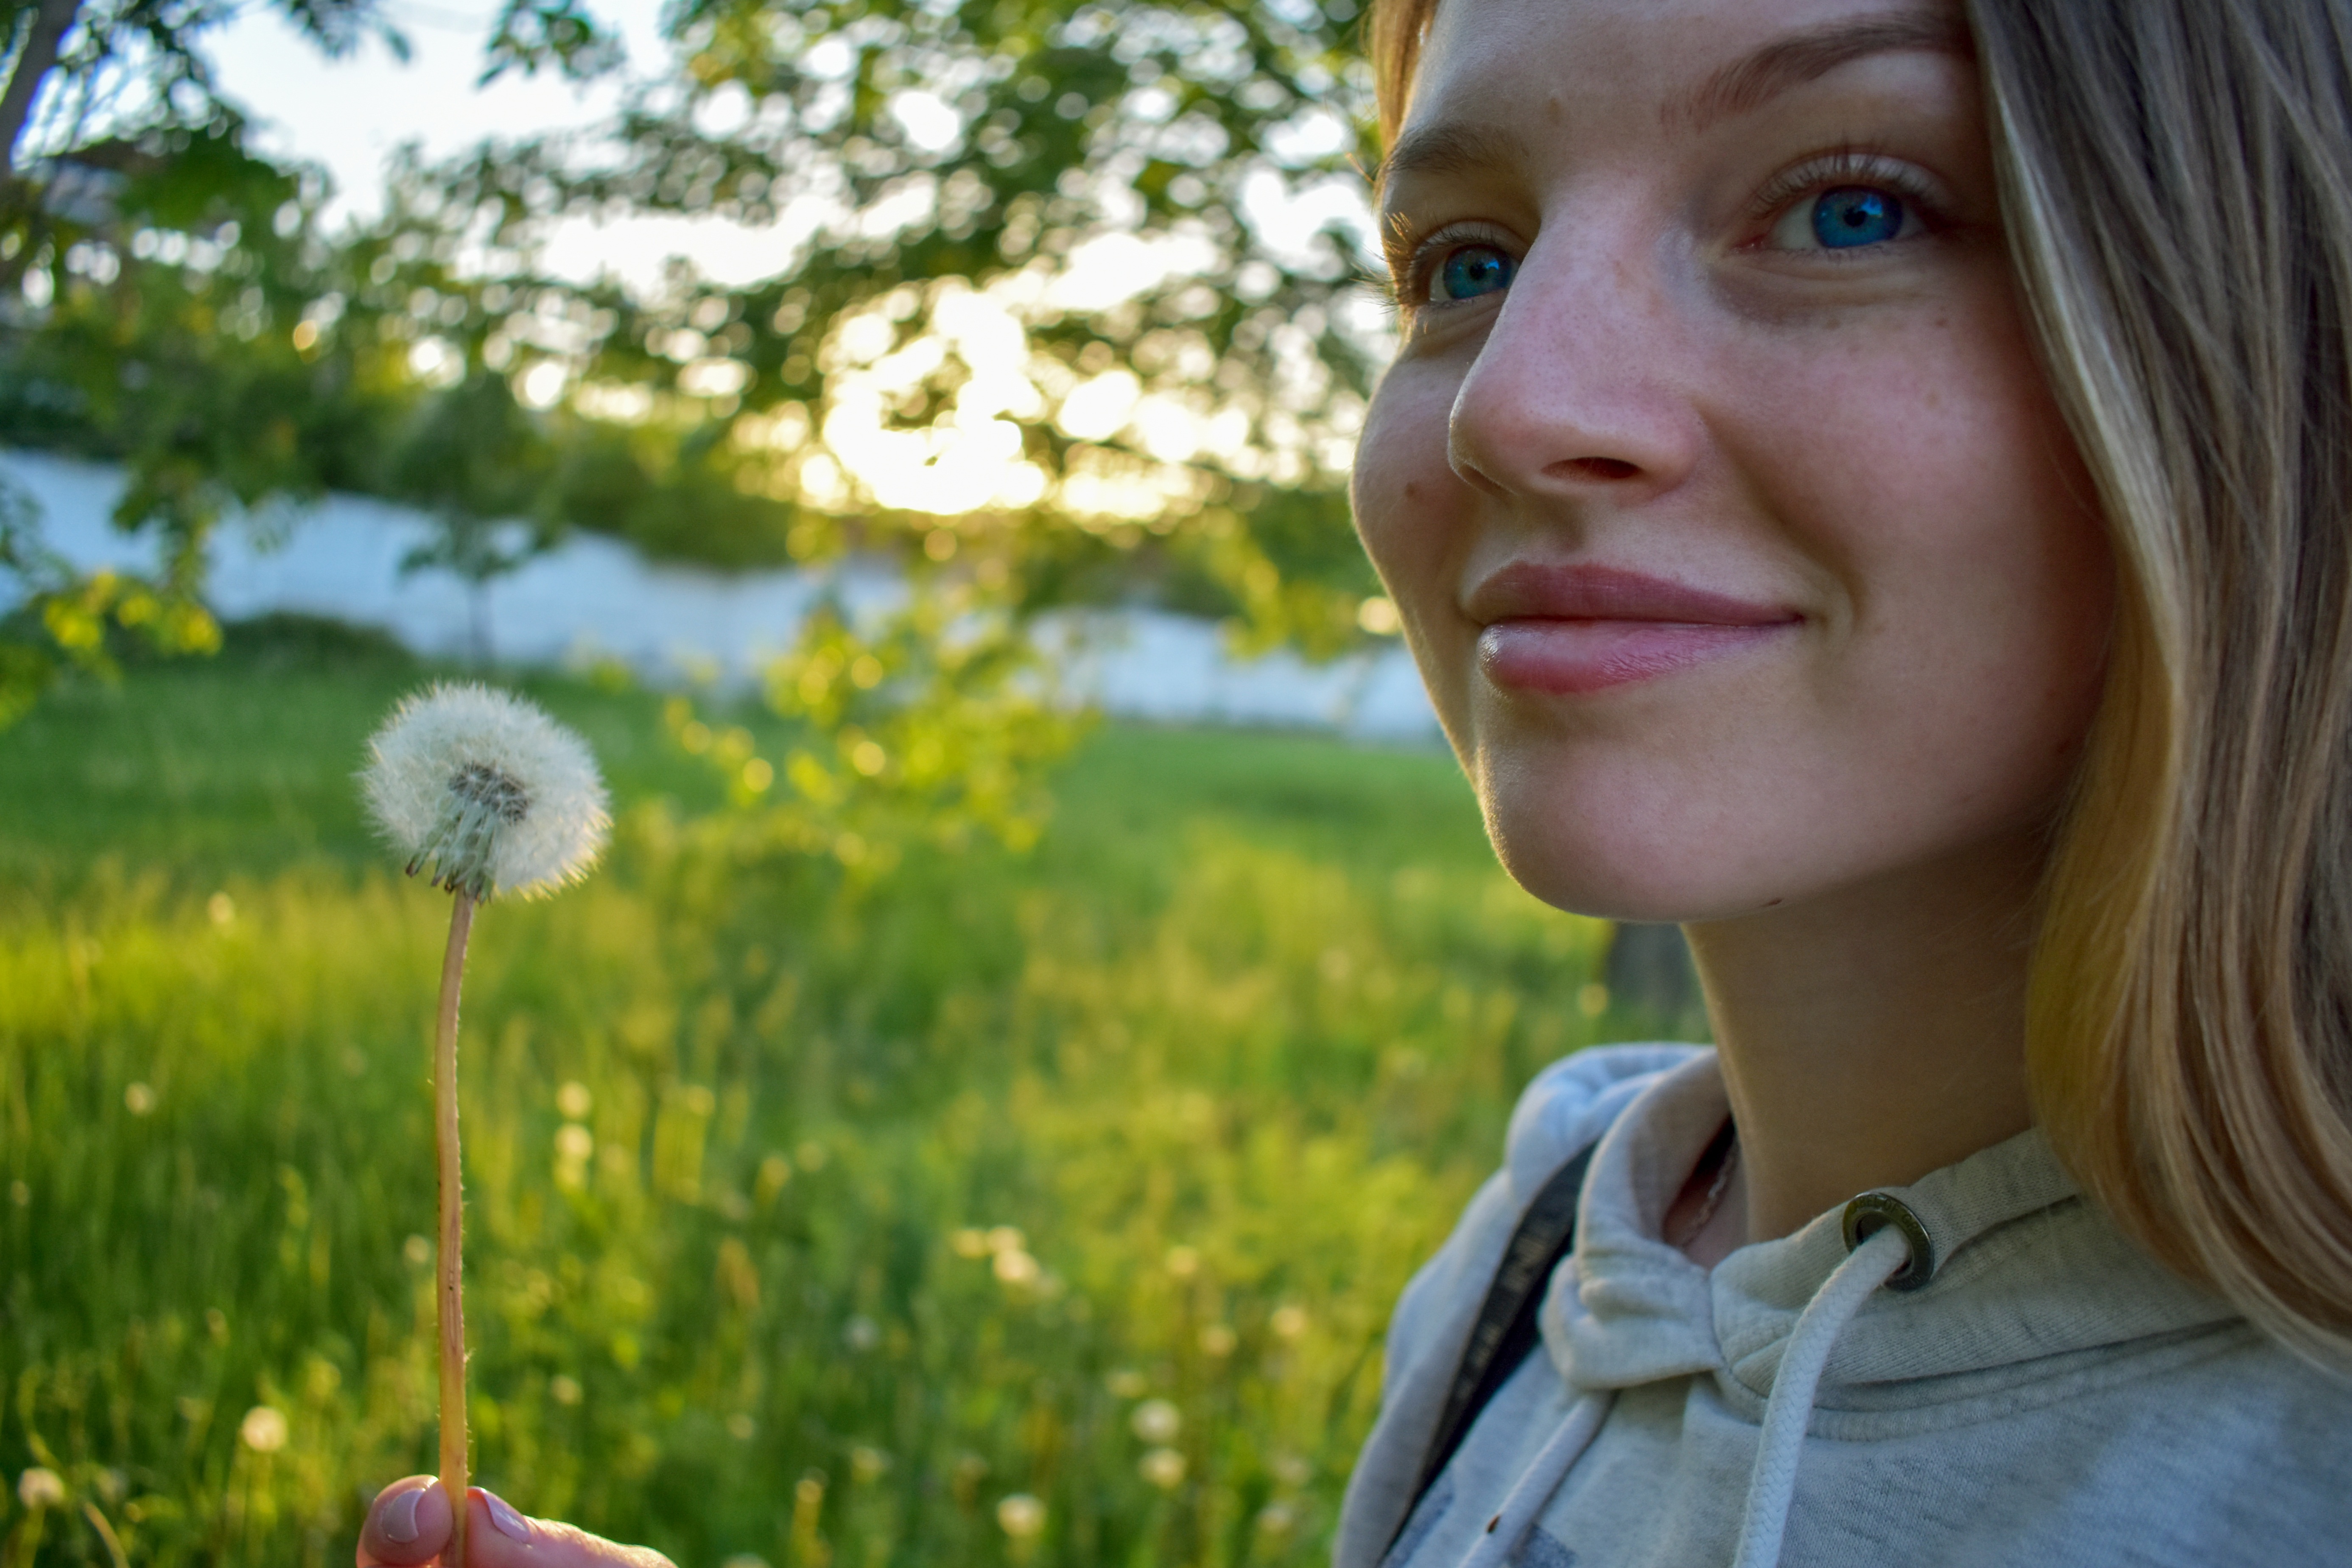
pixel 496 1536
pixel 407 1525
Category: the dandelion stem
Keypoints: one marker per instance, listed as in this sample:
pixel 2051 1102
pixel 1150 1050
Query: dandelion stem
pixel 451 1293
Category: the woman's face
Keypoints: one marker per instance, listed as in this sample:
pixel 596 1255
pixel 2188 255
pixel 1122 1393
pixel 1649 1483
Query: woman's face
pixel 1732 526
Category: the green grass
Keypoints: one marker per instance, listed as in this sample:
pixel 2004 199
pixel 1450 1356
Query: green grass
pixel 1228 1050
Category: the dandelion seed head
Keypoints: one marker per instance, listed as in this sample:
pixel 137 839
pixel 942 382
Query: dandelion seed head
pixel 486 792
pixel 1157 1421
pixel 41 1487
pixel 1019 1516
pixel 1164 1468
pixel 263 1430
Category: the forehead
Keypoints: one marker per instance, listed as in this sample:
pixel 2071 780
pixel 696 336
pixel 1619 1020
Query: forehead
pixel 1673 63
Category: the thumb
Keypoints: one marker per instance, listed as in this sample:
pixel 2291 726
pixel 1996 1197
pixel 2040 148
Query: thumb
pixel 408 1527
pixel 496 1536
pixel 408 1524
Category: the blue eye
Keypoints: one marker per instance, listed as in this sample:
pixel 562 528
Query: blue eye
pixel 1849 203
pixel 1855 215
pixel 1471 270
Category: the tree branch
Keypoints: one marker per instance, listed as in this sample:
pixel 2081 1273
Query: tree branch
pixel 51 21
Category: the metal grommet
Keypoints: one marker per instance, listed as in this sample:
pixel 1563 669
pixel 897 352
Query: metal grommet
pixel 1873 1212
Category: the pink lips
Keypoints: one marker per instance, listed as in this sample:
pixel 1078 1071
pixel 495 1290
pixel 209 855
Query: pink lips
pixel 1573 629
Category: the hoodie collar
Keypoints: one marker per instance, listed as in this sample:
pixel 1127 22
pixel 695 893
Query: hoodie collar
pixel 2029 1275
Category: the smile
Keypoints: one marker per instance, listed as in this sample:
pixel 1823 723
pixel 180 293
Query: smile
pixel 1567 630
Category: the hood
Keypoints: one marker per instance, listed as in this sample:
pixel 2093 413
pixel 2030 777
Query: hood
pixel 2033 1286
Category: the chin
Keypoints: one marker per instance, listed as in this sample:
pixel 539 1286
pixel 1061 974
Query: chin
pixel 1672 834
pixel 1619 863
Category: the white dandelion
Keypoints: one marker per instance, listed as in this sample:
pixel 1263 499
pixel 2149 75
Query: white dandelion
pixel 1164 1468
pixel 1019 1516
pixel 263 1430
pixel 487 795
pixel 1157 1421
pixel 486 792
pixel 39 1488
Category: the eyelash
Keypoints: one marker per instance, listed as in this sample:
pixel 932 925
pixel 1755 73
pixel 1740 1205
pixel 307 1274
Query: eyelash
pixel 1846 166
pixel 1406 287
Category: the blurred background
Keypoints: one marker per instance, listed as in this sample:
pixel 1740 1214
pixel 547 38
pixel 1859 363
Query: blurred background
pixel 1049 987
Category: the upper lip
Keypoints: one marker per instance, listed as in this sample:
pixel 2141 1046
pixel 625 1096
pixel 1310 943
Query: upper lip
pixel 1534 590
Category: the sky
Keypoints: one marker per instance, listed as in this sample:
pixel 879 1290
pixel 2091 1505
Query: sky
pixel 349 115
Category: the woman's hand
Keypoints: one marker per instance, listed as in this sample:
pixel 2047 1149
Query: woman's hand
pixel 409 1524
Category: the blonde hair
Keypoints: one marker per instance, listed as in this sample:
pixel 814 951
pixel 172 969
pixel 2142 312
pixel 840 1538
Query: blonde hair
pixel 2177 182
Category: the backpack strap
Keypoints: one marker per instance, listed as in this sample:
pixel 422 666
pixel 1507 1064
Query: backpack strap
pixel 1505 1330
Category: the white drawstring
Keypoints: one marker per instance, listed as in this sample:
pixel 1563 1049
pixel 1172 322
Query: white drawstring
pixel 1509 1526
pixel 1788 1414
pixel 1789 1411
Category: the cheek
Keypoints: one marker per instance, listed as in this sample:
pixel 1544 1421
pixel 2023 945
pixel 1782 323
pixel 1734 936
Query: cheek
pixel 1971 579
pixel 1939 492
pixel 1413 515
pixel 1401 481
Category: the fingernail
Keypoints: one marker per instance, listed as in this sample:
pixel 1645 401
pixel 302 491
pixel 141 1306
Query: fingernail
pixel 508 1522
pixel 400 1517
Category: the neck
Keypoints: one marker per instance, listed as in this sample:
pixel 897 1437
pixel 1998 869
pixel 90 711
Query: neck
pixel 1871 1036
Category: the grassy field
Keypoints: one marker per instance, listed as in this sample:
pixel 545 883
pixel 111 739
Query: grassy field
pixel 808 1223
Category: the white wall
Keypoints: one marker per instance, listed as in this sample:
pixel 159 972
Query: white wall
pixel 597 597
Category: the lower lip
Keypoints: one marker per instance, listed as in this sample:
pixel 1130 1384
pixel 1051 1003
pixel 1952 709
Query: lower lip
pixel 1571 657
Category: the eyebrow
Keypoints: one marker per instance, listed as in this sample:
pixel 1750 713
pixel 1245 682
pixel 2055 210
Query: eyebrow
pixel 1748 84
pixel 1454 147
pixel 1449 147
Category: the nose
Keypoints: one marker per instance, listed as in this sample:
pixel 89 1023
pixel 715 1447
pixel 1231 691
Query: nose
pixel 1579 391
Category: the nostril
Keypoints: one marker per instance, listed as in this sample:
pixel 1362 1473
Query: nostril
pixel 1594 468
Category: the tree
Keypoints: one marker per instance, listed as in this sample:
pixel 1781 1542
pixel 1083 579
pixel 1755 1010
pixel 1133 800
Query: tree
pixel 161 294
pixel 476 460
pixel 934 369
pixel 1034 326
pixel 953 172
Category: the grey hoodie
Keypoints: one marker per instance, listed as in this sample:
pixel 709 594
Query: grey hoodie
pixel 2051 1396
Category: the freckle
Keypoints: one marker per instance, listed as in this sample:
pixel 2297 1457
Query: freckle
pixel 1554 110
pixel 1412 489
